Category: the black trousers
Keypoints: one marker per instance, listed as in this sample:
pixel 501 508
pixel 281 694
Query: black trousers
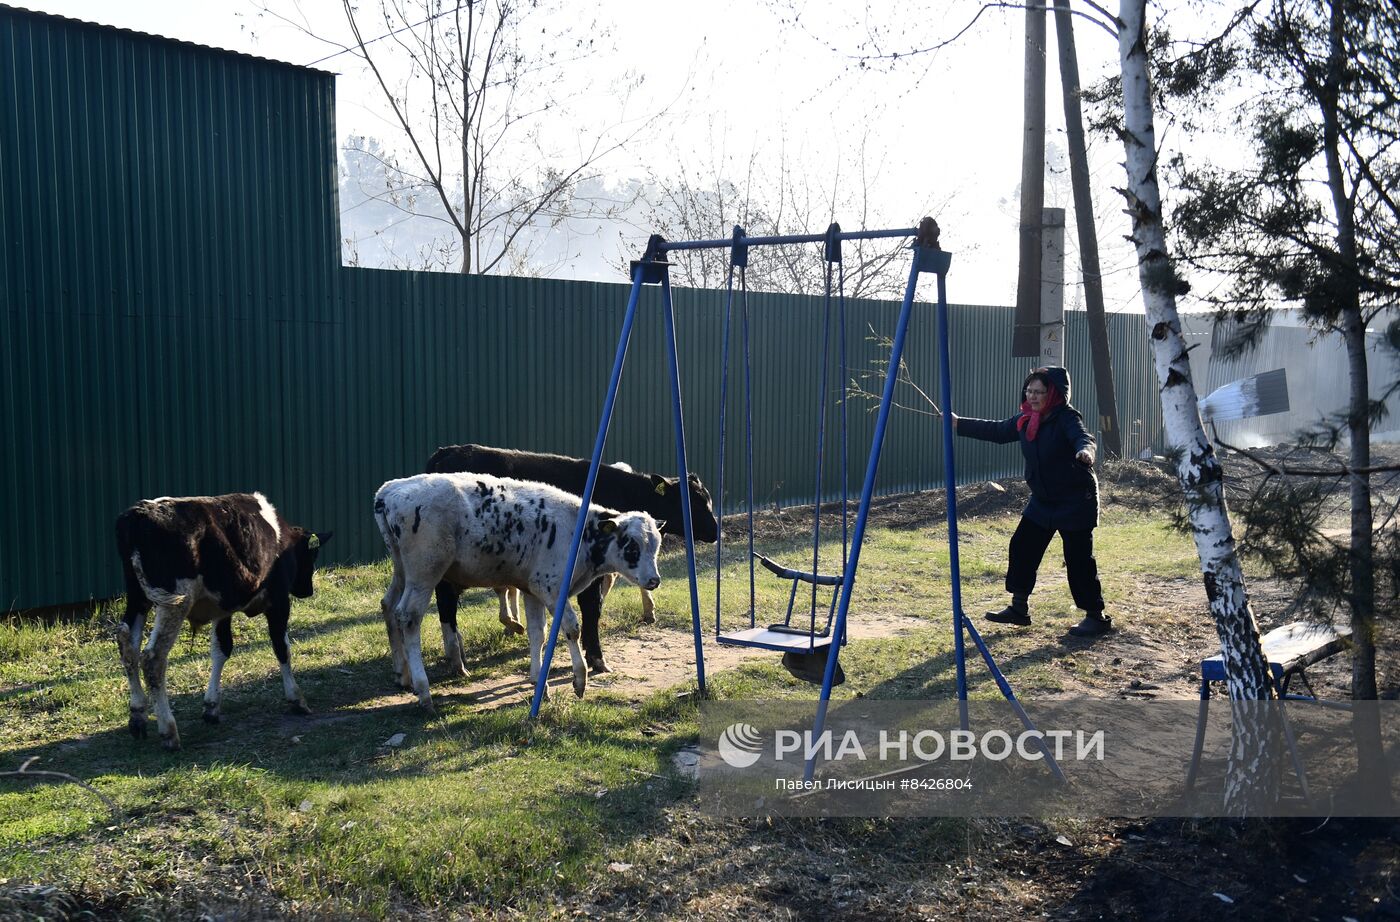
pixel 1028 546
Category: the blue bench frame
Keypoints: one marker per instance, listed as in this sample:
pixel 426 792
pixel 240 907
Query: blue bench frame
pixel 1290 650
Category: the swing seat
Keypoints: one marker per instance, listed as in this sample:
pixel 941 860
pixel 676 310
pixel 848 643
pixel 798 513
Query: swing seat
pixel 784 636
pixel 765 638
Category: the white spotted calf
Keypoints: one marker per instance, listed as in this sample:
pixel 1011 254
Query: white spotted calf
pixel 477 531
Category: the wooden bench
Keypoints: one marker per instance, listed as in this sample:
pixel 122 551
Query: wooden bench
pixel 1290 650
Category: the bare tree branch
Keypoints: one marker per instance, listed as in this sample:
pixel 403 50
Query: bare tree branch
pixel 118 815
pixel 1342 470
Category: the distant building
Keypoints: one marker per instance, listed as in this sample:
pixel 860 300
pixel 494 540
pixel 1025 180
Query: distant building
pixel 1317 379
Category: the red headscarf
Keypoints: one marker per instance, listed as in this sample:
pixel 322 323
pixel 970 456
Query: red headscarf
pixel 1030 420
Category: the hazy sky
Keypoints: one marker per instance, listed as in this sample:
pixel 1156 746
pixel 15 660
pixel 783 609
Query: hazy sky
pixel 939 132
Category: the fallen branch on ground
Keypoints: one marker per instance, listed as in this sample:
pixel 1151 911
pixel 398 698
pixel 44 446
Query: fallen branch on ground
pixel 117 813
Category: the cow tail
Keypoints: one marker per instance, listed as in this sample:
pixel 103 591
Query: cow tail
pixel 381 518
pixel 158 596
pixel 136 597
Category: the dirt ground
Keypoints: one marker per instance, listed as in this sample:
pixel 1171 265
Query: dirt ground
pixel 1153 870
pixel 1144 659
pixel 1142 869
pixel 649 658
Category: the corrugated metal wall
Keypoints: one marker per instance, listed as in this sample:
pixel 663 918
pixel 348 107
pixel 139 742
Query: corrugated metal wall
pixel 442 359
pixel 175 321
pixel 1318 384
pixel 166 211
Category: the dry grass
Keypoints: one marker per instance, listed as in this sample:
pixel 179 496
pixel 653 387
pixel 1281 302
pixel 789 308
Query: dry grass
pixel 483 815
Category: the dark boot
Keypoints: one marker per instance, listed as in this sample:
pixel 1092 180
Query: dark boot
pixel 1018 612
pixel 1095 623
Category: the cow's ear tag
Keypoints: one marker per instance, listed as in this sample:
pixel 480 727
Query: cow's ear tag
pixel 313 542
pixel 661 488
pixel 607 526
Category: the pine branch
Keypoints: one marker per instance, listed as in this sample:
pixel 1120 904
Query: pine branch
pixel 1342 470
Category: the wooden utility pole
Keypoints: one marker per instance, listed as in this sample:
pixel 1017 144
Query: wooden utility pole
pixel 1110 432
pixel 1052 287
pixel 1025 335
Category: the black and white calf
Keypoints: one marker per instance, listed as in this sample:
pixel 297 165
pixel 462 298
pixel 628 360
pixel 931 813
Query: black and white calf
pixel 200 559
pixel 618 487
pixel 474 530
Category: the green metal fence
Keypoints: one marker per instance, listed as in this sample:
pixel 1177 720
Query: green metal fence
pixel 166 211
pixel 318 413
pixel 174 321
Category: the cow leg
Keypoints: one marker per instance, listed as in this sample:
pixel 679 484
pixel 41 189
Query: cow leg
pixel 508 600
pixel 154 659
pixel 448 596
pixel 590 603
pixel 220 649
pixel 605 584
pixel 129 634
pixel 277 614
pixel 648 607
pixel 387 608
pixel 409 615
pixel 536 616
pixel 570 629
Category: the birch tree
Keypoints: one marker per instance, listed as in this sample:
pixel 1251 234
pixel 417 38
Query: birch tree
pixel 1253 778
pixel 1253 775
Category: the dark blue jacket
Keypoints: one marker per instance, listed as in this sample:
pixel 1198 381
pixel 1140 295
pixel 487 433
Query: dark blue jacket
pixel 1064 492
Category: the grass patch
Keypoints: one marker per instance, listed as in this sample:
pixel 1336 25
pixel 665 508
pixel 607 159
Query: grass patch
pixel 479 810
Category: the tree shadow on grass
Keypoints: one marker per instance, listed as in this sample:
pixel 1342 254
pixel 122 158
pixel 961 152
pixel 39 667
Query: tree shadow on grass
pixel 358 700
pixel 193 647
pixel 590 824
pixel 1173 869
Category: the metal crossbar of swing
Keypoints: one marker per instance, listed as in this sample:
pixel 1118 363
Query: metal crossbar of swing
pixel 670 246
pixel 653 269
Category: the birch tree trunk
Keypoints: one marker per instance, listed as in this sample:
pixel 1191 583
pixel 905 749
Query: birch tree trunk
pixel 1252 781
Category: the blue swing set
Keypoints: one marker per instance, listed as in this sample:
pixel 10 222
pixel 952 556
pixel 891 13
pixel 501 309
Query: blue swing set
pixel 803 648
pixel 806 650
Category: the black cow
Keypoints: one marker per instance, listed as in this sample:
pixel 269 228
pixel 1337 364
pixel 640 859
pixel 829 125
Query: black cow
pixel 616 488
pixel 202 558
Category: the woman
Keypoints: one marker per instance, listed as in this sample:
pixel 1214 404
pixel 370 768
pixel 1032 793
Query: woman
pixel 1059 454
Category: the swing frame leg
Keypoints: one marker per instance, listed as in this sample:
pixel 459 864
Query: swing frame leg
pixel 867 491
pixel 678 421
pixel 925 259
pixel 648 270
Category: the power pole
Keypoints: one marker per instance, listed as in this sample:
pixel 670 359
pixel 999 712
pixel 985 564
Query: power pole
pixel 1025 334
pixel 1052 287
pixel 1109 430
